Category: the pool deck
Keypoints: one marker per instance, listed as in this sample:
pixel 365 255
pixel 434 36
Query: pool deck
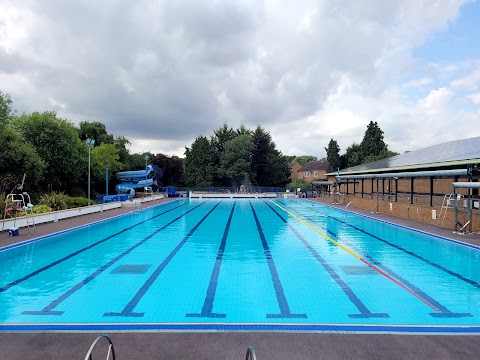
pixel 233 345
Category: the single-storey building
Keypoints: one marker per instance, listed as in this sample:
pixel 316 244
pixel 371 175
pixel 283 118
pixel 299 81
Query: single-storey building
pixel 419 184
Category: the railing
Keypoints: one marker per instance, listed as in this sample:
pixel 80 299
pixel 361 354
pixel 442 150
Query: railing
pixel 250 354
pixel 111 350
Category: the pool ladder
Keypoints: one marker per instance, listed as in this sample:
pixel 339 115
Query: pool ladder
pixel 18 203
pixel 111 351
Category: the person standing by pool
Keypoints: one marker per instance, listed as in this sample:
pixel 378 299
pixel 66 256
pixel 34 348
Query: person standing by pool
pixel 335 193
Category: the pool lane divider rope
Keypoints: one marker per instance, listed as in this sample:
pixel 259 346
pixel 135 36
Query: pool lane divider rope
pixel 358 257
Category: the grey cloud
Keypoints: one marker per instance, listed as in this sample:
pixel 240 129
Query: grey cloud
pixel 179 69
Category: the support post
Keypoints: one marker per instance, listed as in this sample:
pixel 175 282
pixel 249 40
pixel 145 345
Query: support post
pixel 411 190
pixel 396 189
pixel 431 190
pixel 455 209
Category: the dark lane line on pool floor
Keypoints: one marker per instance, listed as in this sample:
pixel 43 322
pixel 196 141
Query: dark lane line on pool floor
pixel 46 267
pixel 442 311
pixel 128 309
pixel 48 310
pixel 280 294
pixel 212 286
pixel 398 247
pixel 364 311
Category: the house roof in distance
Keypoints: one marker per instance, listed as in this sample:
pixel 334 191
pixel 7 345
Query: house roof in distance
pixel 449 153
pixel 315 166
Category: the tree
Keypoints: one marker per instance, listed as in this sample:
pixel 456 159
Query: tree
pixel 172 169
pixel 269 167
pixel 122 144
pixel 95 130
pixel 199 163
pixel 57 143
pixel 302 160
pixel 6 112
pixel 18 157
pixel 385 153
pixel 333 155
pixel 353 156
pixel 103 157
pixel 236 160
pixel 219 139
pixel 372 143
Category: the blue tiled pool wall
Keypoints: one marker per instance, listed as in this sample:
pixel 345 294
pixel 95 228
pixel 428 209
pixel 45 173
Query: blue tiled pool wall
pixel 265 243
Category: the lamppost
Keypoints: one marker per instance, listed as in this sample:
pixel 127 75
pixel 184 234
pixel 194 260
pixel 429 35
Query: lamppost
pixel 90 143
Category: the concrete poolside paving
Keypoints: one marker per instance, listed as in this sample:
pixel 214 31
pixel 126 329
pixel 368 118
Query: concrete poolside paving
pixel 233 345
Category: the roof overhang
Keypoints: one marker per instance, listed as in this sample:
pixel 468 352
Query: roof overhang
pixel 396 175
pixel 322 182
pixel 409 167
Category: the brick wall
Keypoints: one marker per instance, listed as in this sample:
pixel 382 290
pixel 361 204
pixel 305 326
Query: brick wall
pixel 418 212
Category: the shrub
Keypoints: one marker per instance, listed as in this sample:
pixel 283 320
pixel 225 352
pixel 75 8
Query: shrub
pixel 74 202
pixel 295 184
pixel 41 209
pixel 56 201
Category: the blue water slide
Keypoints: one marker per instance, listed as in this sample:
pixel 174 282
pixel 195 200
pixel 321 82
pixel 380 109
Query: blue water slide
pixel 138 179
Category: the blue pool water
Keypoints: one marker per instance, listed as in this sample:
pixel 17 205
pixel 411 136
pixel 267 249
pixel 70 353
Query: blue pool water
pixel 241 264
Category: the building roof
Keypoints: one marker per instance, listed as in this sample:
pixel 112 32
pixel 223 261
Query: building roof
pixel 451 153
pixel 315 166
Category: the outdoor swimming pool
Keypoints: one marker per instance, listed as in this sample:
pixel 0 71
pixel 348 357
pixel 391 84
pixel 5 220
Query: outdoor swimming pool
pixel 240 264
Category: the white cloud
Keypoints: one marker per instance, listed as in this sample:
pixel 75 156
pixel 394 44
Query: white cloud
pixel 417 83
pixel 469 81
pixel 474 98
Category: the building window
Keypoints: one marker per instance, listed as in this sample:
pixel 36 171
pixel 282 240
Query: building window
pixel 315 173
pixel 307 173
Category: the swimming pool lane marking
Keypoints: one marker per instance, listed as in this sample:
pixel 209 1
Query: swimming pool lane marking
pixel 358 257
pixel 212 286
pixel 128 309
pixel 451 272
pixel 280 294
pixel 443 310
pixel 48 310
pixel 364 311
pixel 46 267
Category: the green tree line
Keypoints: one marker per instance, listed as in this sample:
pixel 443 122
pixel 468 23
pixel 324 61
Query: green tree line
pixel 53 153
pixel 372 148
pixel 232 157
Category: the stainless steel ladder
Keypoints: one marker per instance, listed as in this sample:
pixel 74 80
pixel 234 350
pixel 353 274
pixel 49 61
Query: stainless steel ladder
pixel 446 204
pixel 111 351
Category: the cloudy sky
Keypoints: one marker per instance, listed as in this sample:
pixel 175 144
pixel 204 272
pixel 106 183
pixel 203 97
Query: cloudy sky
pixel 163 72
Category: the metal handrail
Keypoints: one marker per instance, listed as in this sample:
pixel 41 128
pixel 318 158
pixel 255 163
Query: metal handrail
pixel 111 350
pixel 250 353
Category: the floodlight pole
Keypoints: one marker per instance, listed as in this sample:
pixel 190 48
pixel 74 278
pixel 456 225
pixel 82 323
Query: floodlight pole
pixel 146 159
pixel 90 143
